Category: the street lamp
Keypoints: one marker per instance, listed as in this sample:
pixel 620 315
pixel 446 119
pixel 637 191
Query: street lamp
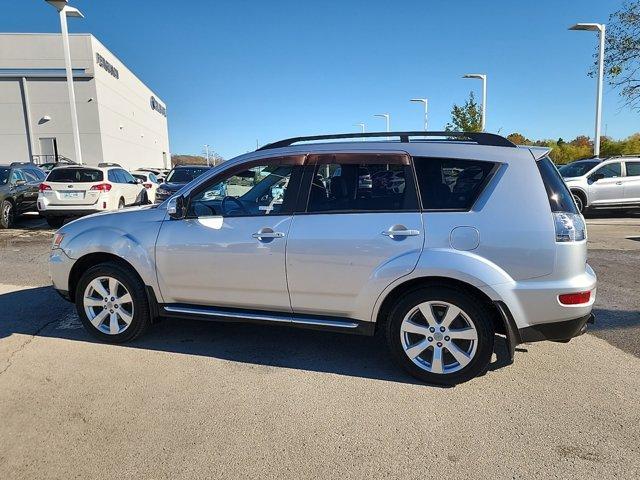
pixel 66 11
pixel 600 28
pixel 482 77
pixel 206 147
pixel 386 117
pixel 362 126
pixel 426 106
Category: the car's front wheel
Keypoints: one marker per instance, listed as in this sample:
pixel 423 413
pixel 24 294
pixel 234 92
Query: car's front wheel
pixel 111 303
pixel 441 335
pixel 579 201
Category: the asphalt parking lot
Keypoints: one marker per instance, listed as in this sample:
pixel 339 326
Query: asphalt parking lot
pixel 207 400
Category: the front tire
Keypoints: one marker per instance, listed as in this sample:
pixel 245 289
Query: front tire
pixel 440 335
pixel 577 198
pixel 112 303
pixel 7 214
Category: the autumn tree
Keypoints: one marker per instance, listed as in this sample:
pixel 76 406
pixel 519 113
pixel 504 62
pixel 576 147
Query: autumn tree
pixel 518 139
pixel 466 118
pixel 622 52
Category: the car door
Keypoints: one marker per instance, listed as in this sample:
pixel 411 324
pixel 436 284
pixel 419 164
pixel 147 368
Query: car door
pixel 34 177
pixel 632 182
pixel 605 185
pixel 360 230
pixel 229 251
pixel 19 190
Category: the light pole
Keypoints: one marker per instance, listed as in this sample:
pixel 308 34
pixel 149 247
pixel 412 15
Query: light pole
pixel 65 11
pixel 206 147
pixel 483 77
pixel 426 107
pixel 600 28
pixel 386 117
pixel 362 126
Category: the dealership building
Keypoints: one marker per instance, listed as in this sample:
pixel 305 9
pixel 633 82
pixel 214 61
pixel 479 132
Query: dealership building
pixel 120 119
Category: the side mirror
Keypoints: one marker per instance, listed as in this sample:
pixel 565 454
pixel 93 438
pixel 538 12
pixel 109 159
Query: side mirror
pixel 597 176
pixel 176 208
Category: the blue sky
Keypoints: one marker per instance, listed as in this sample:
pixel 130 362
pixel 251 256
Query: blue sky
pixel 233 72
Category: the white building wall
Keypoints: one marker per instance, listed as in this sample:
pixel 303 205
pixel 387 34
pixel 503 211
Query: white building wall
pixel 133 134
pixel 117 123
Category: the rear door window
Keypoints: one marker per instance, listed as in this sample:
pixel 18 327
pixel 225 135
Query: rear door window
pixel 451 184
pixel 361 185
pixel 75 175
pixel 633 169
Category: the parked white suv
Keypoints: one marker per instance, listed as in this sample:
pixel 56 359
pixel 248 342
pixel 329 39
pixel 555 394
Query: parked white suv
pixel 611 183
pixel 435 245
pixel 76 190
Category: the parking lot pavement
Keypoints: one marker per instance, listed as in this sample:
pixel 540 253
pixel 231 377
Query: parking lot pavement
pixel 206 400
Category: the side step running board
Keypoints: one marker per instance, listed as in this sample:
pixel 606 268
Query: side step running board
pixel 345 325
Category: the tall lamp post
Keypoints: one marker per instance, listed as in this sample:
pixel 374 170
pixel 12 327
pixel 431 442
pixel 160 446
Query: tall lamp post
pixel 600 28
pixel 386 117
pixel 65 11
pixel 206 147
pixel 483 77
pixel 362 126
pixel 426 107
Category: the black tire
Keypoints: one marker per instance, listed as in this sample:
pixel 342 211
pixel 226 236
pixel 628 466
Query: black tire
pixel 578 198
pixel 7 214
pixel 130 280
pixel 121 204
pixel 144 198
pixel 55 222
pixel 476 312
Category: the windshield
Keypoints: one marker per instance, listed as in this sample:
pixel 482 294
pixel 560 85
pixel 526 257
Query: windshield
pixel 184 175
pixel 75 175
pixel 4 176
pixel 576 169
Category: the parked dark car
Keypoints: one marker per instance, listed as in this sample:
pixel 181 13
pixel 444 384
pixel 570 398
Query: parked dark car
pixel 178 177
pixel 19 184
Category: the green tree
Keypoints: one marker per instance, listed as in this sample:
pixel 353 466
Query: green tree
pixel 622 52
pixel 466 118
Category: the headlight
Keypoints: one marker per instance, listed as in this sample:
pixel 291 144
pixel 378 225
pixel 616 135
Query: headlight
pixel 570 227
pixel 57 240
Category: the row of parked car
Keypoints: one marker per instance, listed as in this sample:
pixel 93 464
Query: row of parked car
pixel 71 190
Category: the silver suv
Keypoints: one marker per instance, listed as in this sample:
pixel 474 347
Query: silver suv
pixel 436 242
pixel 610 183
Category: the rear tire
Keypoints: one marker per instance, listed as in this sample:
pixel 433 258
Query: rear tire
pixel 121 204
pixel 7 214
pixel 107 290
pixel 451 347
pixel 55 222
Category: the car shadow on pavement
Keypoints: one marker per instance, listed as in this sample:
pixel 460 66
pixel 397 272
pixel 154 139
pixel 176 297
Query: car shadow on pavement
pixel 41 312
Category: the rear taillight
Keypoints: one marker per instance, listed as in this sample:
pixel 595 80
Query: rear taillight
pixel 570 227
pixel 576 298
pixel 146 185
pixel 103 187
pixel 43 187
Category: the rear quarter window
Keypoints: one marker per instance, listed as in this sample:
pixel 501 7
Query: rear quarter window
pixel 451 184
pixel 560 198
pixel 75 175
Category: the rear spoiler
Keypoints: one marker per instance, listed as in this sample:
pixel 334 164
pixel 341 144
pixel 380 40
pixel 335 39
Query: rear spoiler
pixel 537 152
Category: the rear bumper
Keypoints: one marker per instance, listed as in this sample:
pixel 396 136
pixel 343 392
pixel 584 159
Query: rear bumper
pixel 556 331
pixel 68 212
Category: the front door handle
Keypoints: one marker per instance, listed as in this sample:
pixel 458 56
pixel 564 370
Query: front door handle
pixel 618 183
pixel 400 231
pixel 267 234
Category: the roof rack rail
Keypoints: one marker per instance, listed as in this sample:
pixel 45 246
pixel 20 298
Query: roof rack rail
pixel 481 138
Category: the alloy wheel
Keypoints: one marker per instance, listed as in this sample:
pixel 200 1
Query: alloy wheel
pixel 108 305
pixel 7 214
pixel 439 337
pixel 579 204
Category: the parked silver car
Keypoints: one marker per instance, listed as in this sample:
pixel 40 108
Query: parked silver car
pixel 472 237
pixel 610 183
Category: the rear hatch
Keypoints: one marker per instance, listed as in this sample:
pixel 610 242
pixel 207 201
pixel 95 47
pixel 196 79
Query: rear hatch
pixel 73 186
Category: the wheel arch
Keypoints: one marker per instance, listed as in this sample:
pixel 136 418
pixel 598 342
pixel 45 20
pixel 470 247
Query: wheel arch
pixel 91 259
pixel 580 191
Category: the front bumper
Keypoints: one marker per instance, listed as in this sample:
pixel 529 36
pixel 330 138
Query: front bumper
pixel 556 331
pixel 60 265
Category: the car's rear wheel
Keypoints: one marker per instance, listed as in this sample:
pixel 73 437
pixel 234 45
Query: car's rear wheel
pixel 121 204
pixel 111 303
pixel 441 335
pixel 55 222
pixel 7 214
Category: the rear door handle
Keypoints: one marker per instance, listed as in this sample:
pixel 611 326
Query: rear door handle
pixel 618 183
pixel 392 232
